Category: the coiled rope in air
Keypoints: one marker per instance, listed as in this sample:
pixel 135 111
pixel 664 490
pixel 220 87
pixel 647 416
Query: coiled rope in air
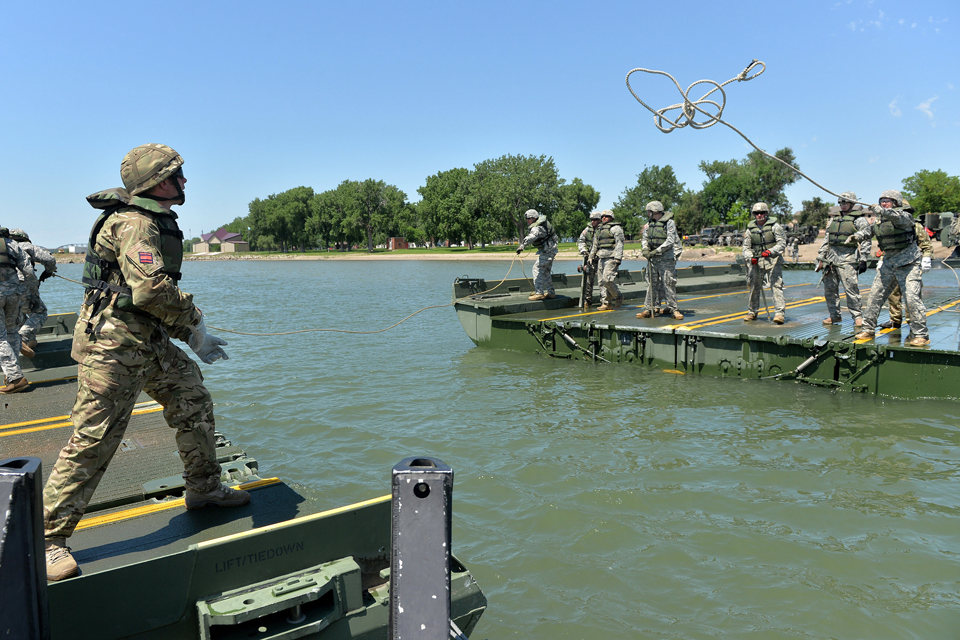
pixel 710 110
pixel 436 306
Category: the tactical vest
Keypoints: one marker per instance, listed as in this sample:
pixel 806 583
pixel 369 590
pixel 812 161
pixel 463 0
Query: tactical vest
pixel 588 235
pixel 841 228
pixel 605 238
pixel 7 261
pixel 656 232
pixel 97 271
pixel 890 238
pixel 551 233
pixel 763 237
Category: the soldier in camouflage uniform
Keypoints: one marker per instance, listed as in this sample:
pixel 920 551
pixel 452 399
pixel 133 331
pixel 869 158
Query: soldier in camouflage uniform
pixel 33 306
pixel 130 311
pixel 763 244
pixel 658 245
pixel 584 244
pixel 926 262
pixel 608 251
pixel 896 235
pixel 842 262
pixel 13 262
pixel 544 237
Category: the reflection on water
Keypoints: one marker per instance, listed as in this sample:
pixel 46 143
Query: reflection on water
pixel 594 501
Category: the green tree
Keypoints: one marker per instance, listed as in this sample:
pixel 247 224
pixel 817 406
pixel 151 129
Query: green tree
pixel 688 213
pixel 515 184
pixel 757 178
pixel 815 212
pixel 577 200
pixel 653 183
pixel 932 191
pixel 374 207
pixel 443 204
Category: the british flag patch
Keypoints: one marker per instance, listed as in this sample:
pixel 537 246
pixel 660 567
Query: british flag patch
pixel 146 257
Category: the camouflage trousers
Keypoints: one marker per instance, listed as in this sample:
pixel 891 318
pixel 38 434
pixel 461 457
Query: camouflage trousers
pixel 35 311
pixel 588 281
pixel 896 308
pixel 909 279
pixel 543 273
pixel 607 272
pixel 9 338
pixel 767 271
pixel 832 277
pixel 662 290
pixel 106 394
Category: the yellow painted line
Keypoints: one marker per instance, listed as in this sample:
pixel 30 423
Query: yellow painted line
pixel 29 422
pixel 743 314
pixel 294 522
pixel 883 332
pixel 677 371
pixel 736 293
pixel 143 510
pixel 57 425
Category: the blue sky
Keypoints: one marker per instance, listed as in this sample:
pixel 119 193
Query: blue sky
pixel 261 97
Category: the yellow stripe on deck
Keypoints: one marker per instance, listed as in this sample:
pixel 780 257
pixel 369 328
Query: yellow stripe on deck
pixel 743 314
pixel 5 429
pixel 942 307
pixel 143 510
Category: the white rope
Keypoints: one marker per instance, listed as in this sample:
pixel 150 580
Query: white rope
pixel 689 110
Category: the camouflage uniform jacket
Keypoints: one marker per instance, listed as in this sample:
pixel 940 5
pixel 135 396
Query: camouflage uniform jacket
pixel 540 233
pixel 10 276
pixel 837 255
pixel 585 241
pixel 901 220
pixel 38 255
pixel 131 236
pixel 923 240
pixel 777 250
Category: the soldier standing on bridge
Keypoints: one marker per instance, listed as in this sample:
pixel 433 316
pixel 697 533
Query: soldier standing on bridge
pixel 542 236
pixel 584 244
pixel 842 262
pixel 896 235
pixel 763 244
pixel 926 249
pixel 14 261
pixel 658 244
pixel 32 305
pixel 608 251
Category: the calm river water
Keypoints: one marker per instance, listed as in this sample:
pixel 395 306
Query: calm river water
pixel 593 501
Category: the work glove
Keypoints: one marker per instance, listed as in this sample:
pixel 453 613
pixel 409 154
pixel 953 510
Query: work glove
pixel 46 274
pixel 925 263
pixel 879 264
pixel 206 346
pixel 658 252
pixel 819 266
pixel 616 264
pixel 876 209
pixel 519 250
pixel 851 239
pixel 862 267
pixel 766 254
pixel 754 261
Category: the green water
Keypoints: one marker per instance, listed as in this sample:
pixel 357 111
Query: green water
pixel 594 501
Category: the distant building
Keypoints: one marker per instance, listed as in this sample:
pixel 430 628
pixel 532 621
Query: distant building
pixel 397 243
pixel 221 240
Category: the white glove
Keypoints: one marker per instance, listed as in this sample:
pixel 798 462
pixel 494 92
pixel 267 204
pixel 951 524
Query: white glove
pixel 879 264
pixel 206 346
pixel 925 263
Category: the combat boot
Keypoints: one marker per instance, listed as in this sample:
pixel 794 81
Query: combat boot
pixel 222 496
pixel 646 313
pixel 60 562
pixel 606 306
pixel 13 387
pixel 750 317
pixel 587 305
pixel 618 302
pixel 677 315
pixel 26 348
pixel 917 341
pixel 551 295
pixel 535 296
pixel 778 318
pixel 889 324
pixel 864 335
pixel 829 321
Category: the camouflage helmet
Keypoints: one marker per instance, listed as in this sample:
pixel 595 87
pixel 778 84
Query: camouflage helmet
pixel 147 166
pixel 654 206
pixel 906 207
pixel 894 195
pixel 760 207
pixel 607 213
pixel 595 215
pixel 19 235
pixel 847 196
pixel 531 214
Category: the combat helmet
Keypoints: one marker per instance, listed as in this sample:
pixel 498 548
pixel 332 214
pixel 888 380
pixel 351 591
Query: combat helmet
pixel 847 196
pixel 148 165
pixel 531 214
pixel 654 206
pixel 894 195
pixel 760 207
pixel 608 214
pixel 595 215
pixel 19 235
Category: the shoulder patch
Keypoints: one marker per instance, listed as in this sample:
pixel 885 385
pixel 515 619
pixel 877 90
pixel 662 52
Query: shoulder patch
pixel 146 257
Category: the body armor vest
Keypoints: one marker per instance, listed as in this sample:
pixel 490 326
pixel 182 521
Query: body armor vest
pixel 657 232
pixel 551 233
pixel 763 237
pixel 588 234
pixel 6 260
pixel 890 238
pixel 840 229
pixel 605 239
pixel 97 271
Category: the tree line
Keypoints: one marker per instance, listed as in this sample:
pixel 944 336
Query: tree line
pixel 485 204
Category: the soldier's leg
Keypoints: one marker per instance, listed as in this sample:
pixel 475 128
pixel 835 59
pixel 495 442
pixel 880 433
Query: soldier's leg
pixel 910 279
pixel 851 285
pixel 755 281
pixel 105 399
pixel 9 338
pixel 896 309
pixel 831 291
pixel 882 286
pixel 188 408
pixel 651 278
pixel 776 283
pixel 537 279
pixel 545 273
pixel 36 316
pixel 669 279
pixel 588 279
pixel 605 280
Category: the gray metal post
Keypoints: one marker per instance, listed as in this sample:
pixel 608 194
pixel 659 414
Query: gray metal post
pixel 23 565
pixel 420 554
